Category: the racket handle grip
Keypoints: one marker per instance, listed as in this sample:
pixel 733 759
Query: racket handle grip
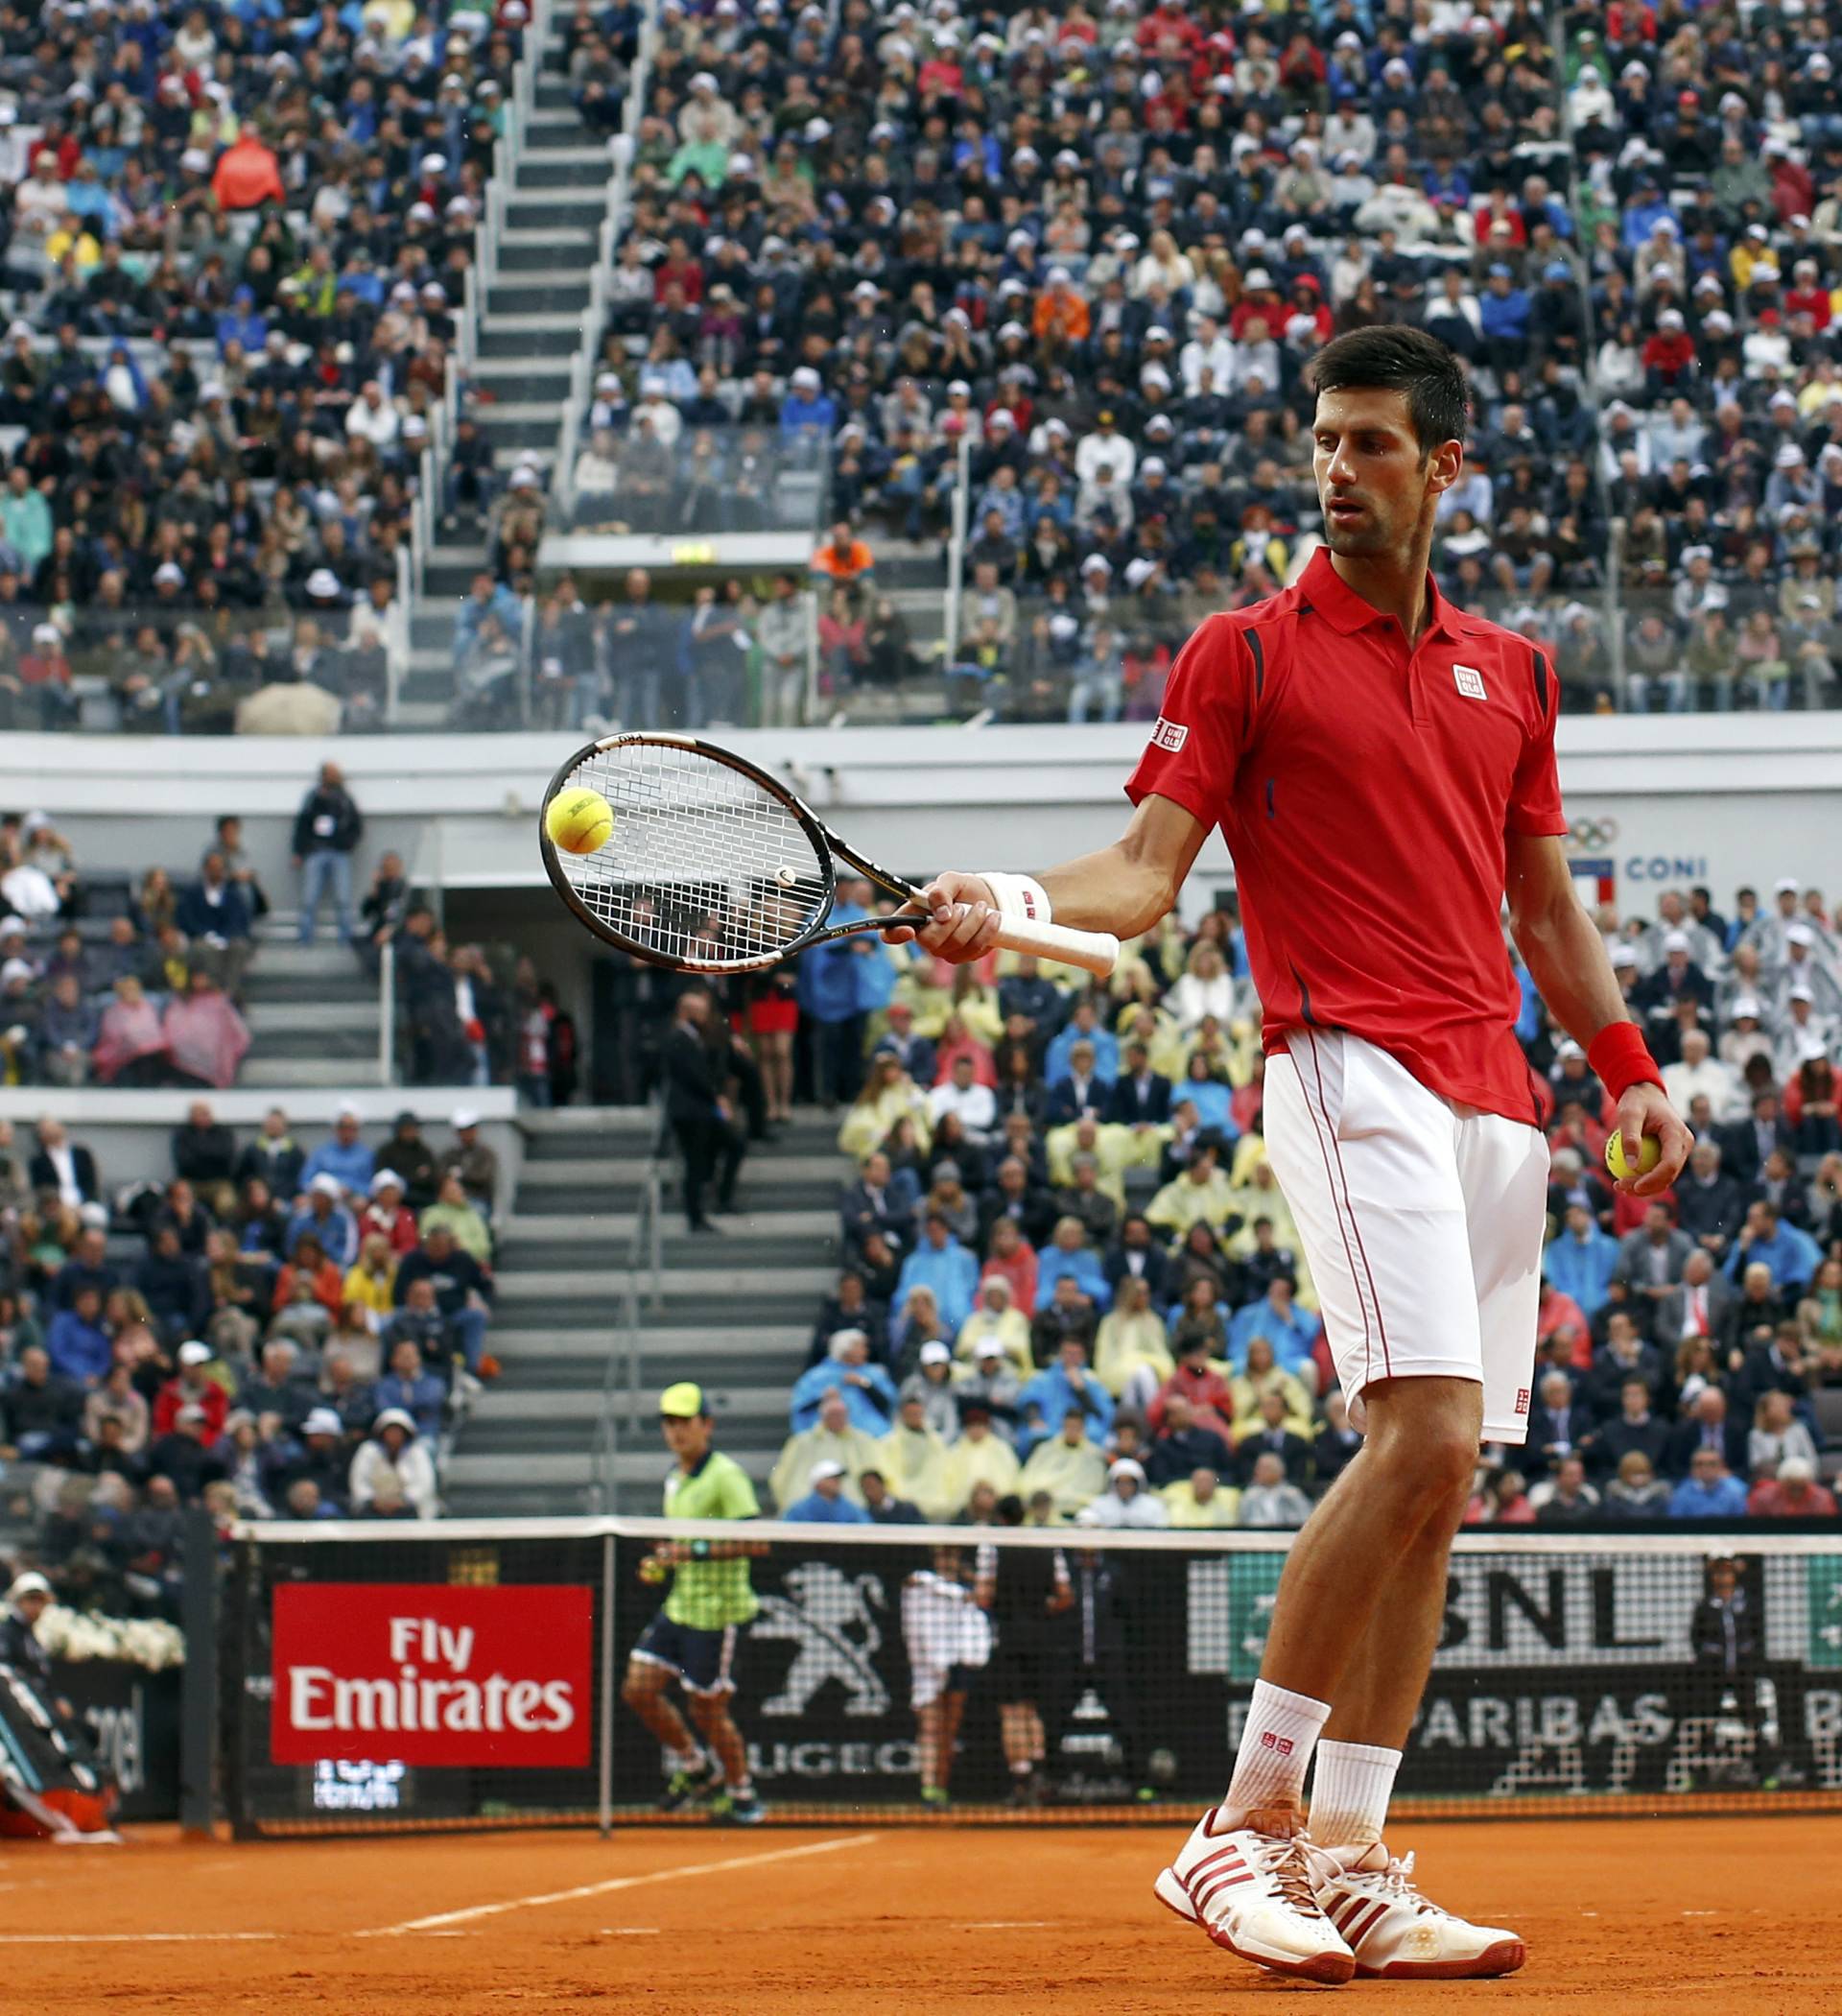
pixel 1097 951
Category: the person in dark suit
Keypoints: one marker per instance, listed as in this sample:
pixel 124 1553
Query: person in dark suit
pixel 1746 1145
pixel 1270 1436
pixel 699 1111
pixel 1081 1091
pixel 58 1165
pixel 1706 1424
pixel 871 1205
pixel 1139 1097
pixel 1711 1207
pixel 899 1039
pixel 1139 1253
pixel 1703 1303
pixel 1558 1426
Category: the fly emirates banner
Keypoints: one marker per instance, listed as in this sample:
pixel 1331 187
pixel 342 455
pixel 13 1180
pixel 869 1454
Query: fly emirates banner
pixel 432 1675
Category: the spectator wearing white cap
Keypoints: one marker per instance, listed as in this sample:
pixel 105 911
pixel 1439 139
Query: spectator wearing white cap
pixel 1808 1035
pixel 831 1438
pixel 473 1158
pixel 324 1213
pixel 393 1467
pixel 825 1504
pixel 29 1596
pixel 1126 1503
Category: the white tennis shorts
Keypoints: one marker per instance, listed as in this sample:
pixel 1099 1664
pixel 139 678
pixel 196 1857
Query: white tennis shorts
pixel 1422 1221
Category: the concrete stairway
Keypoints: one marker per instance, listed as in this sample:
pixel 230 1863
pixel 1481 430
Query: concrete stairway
pixel 530 331
pixel 735 1314
pixel 312 1011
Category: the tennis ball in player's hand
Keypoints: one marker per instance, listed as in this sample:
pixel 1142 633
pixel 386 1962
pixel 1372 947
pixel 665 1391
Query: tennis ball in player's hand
pixel 654 1570
pixel 1649 1154
pixel 579 820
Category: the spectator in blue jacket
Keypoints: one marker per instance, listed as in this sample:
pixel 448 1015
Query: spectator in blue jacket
pixel 866 1390
pixel 1083 1026
pixel 1581 1260
pixel 1069 1254
pixel 1770 1240
pixel 940 1262
pixel 809 413
pixel 345 1156
pixel 837 991
pixel 1710 1491
pixel 77 1344
pixel 325 1215
pixel 825 1504
pixel 1292 1331
pixel 1503 310
pixel 410 1385
pixel 1067 1386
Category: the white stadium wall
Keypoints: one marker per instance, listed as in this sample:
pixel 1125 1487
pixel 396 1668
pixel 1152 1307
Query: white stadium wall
pixel 1658 801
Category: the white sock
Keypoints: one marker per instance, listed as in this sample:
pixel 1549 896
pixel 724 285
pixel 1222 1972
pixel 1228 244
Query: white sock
pixel 1276 1745
pixel 1350 1794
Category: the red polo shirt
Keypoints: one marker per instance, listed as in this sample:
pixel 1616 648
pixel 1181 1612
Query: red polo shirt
pixel 1364 791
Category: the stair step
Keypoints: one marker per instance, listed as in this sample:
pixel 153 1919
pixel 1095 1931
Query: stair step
pixel 576 168
pixel 537 298
pixel 525 336
pixel 263 989
pixel 279 958
pixel 306 1073
pixel 300 1017
pixel 530 377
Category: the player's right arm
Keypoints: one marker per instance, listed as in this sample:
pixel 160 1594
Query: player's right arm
pixel 1124 888
pixel 1183 778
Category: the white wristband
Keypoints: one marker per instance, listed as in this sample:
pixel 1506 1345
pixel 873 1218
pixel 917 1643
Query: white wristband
pixel 1020 896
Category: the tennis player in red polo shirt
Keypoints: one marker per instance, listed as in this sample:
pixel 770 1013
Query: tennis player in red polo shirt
pixel 1381 765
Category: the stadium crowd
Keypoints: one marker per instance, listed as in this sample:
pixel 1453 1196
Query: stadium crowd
pixel 1070 1277
pixel 155 999
pixel 236 243
pixel 281 1327
pixel 1095 246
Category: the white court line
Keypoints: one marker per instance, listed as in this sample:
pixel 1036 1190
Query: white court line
pixel 127 1938
pixel 614 1882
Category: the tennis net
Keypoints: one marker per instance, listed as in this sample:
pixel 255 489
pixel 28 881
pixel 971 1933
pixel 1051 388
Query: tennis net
pixel 469 1672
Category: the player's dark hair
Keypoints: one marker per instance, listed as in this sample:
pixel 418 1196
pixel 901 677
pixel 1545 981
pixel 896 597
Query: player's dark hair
pixel 1392 357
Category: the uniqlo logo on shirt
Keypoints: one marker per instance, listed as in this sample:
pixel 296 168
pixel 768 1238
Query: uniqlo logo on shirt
pixel 1168 735
pixel 1282 1743
pixel 1470 681
pixel 1521 1399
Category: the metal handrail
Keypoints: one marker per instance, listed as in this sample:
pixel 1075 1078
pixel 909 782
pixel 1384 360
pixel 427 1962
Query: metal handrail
pixel 622 148
pixel 386 1015
pixel 956 545
pixel 644 1292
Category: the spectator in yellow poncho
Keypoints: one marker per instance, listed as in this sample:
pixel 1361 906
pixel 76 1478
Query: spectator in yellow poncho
pixel 1068 1466
pixel 998 1317
pixel 979 1457
pixel 889 1095
pixel 1201 1500
pixel 1132 1349
pixel 829 1438
pixel 1200 1195
pixel 913 1460
pixel 1261 1376
pixel 1110 1146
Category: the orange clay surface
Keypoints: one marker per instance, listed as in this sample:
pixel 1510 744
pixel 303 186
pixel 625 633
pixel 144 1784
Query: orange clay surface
pixel 1724 1915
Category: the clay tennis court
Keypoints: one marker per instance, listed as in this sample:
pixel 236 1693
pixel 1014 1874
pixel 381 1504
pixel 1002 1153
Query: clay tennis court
pixel 1738 1913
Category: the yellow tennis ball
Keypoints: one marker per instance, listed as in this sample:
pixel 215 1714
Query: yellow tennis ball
pixel 1649 1154
pixel 579 820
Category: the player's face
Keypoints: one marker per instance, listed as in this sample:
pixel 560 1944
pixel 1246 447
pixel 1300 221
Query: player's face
pixel 1375 488
pixel 686 1436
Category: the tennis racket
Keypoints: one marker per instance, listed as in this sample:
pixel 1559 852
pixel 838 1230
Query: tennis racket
pixel 716 867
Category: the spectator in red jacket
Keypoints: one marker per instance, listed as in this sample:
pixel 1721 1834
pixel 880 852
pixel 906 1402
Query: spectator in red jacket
pixel 191 1387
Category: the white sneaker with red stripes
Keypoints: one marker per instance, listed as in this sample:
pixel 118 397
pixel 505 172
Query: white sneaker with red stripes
pixel 1395 1933
pixel 1253 1894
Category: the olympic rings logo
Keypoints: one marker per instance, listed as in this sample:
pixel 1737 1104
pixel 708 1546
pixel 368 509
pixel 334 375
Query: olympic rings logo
pixel 1592 832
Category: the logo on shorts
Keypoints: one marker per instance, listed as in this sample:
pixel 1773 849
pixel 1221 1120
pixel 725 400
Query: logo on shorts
pixel 1168 735
pixel 1470 681
pixel 1521 1399
pixel 831 1621
pixel 1282 1743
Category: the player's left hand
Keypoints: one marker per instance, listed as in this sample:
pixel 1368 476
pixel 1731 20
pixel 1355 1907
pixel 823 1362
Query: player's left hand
pixel 1645 1110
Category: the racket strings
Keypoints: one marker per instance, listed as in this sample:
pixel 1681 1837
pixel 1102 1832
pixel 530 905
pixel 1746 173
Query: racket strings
pixel 704 864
